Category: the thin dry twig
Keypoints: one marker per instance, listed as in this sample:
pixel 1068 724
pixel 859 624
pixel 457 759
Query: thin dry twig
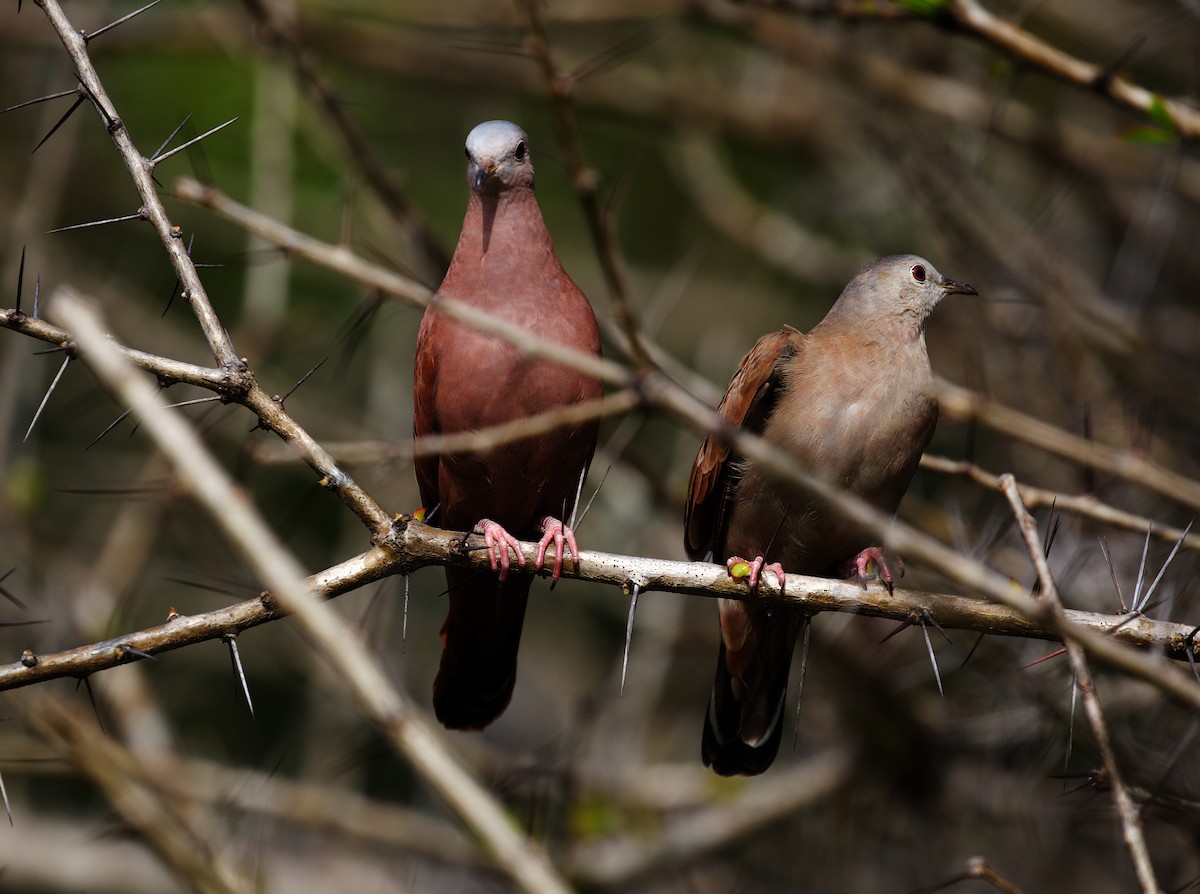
pixel 1080 504
pixel 559 86
pixel 971 18
pixel 964 405
pixel 1131 819
pixel 286 36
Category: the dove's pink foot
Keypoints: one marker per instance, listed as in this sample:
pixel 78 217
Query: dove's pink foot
pixel 757 565
pixel 860 567
pixel 498 542
pixel 563 538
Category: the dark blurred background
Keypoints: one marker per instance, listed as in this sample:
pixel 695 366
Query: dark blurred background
pixel 751 156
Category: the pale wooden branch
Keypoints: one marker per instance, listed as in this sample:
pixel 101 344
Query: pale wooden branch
pixel 413 545
pixel 329 634
pixel 1084 505
pixel 142 804
pixel 1131 820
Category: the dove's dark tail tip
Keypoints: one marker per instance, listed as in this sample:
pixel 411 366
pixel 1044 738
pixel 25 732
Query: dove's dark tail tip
pixel 481 638
pixel 730 756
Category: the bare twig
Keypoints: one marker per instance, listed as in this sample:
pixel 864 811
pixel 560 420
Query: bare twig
pixel 286 36
pixel 1131 820
pixel 1084 505
pixel 964 405
pixel 559 86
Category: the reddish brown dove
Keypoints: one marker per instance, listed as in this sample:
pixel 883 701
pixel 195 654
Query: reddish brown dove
pixel 464 381
pixel 854 402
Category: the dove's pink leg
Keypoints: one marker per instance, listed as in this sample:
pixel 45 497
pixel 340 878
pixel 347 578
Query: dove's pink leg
pixel 757 564
pixel 859 565
pixel 563 538
pixel 499 542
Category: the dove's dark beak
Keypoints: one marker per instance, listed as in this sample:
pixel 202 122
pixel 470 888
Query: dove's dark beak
pixel 487 167
pixel 954 287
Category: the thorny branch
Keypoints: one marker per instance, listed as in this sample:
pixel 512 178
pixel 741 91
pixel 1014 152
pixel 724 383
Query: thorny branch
pixel 413 545
pixel 1131 821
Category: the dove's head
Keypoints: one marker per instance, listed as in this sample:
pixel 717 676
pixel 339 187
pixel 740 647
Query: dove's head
pixel 904 287
pixel 498 157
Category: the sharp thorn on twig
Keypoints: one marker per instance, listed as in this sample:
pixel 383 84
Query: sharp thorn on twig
pixel 932 656
pixel 57 350
pixel 3 788
pixel 111 426
pixel 903 625
pixel 61 121
pixel 20 280
pixel 167 141
pixel 1190 642
pixel 578 491
pixel 807 622
pixel 45 400
pixel 1112 571
pixel 192 402
pixel 303 379
pixel 130 650
pixel 178 282
pixel 1170 558
pixel 98 223
pixel 1136 603
pixel 404 619
pixel 86 682
pixel 1070 729
pixel 1038 661
pixel 30 102
pixel 158 159
pixel 238 670
pixel 971 652
pixel 120 21
pixel 588 507
pixel 431 513
pixel 9 596
pixel 109 121
pixel 633 596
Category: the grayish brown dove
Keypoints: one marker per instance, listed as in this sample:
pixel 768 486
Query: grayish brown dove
pixel 854 402
pixel 464 381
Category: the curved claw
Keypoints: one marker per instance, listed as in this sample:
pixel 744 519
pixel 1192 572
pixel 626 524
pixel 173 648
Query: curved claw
pixel 563 538
pixel 862 563
pixel 757 566
pixel 498 543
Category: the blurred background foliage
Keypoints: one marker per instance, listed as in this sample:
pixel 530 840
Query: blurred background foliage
pixel 751 156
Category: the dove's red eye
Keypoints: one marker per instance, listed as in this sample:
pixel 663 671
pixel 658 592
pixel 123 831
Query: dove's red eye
pixel 918 273
pixel 520 151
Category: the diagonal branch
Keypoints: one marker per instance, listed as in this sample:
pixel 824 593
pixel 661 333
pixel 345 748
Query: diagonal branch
pixel 328 633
